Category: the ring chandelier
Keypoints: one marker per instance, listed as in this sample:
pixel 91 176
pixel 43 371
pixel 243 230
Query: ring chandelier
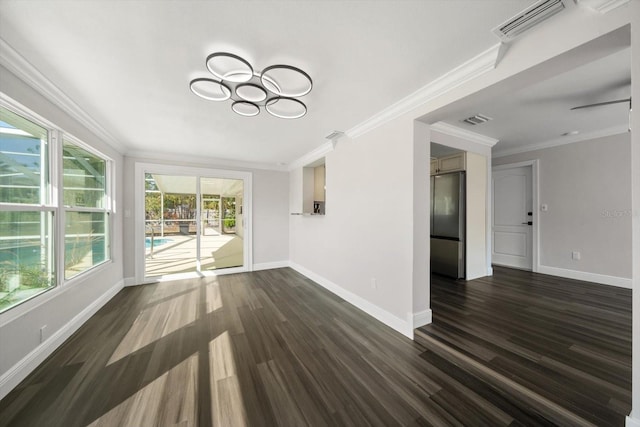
pixel 276 88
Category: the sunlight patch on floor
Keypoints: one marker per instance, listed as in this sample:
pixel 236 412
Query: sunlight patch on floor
pixel 214 298
pixel 227 408
pixel 159 400
pixel 160 319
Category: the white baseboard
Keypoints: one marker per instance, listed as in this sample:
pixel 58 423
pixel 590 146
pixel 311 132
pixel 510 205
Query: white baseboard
pixel 621 282
pixel 632 422
pixel 18 372
pixel 270 265
pixel 403 326
pixel 130 281
pixel 422 318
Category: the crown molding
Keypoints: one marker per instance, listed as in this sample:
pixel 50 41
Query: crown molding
pixel 203 161
pixel 604 6
pixel 476 66
pixel 570 139
pixel 312 156
pixel 25 71
pixel 451 130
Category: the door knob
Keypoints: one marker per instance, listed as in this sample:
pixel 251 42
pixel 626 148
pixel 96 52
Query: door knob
pixel 528 223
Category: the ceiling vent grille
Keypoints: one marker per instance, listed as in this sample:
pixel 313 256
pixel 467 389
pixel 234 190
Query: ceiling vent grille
pixel 528 18
pixel 478 119
pixel 336 134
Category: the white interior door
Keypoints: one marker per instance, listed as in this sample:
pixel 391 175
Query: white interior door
pixel 512 219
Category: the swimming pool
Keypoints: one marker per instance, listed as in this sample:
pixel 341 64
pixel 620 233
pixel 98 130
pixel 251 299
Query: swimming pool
pixel 157 241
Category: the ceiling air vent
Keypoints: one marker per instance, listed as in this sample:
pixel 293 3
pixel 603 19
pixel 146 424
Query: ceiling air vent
pixel 336 134
pixel 478 119
pixel 528 18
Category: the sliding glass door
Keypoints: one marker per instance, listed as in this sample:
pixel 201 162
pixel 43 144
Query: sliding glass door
pixel 193 223
pixel 170 227
pixel 221 240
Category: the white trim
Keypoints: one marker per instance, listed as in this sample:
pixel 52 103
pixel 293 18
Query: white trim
pixel 192 275
pixel 489 212
pixel 270 265
pixel 422 318
pixel 11 104
pixel 632 422
pixel 621 282
pixel 604 6
pixel 18 372
pixel 25 71
pixel 129 281
pixel 616 130
pixel 394 322
pixel 535 208
pixel 150 156
pixel 312 156
pixel 513 165
pixel 468 135
pixel 476 66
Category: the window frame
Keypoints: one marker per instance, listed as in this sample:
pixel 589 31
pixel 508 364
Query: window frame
pixel 54 202
pixel 107 209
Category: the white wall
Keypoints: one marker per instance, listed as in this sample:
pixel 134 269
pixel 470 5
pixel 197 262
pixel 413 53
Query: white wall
pixel 308 188
pixel 270 217
pixel 62 309
pixel 586 186
pixel 421 295
pixel 339 250
pixel 366 235
pixel 477 210
pixel 318 183
pixel 270 213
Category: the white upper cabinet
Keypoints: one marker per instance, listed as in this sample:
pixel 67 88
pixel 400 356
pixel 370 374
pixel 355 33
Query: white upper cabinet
pixel 453 163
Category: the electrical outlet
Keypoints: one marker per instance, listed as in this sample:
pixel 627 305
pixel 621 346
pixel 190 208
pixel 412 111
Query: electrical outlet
pixel 374 284
pixel 42 333
pixel 575 255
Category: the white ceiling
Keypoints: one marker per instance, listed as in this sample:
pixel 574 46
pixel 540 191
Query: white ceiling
pixel 128 63
pixel 541 113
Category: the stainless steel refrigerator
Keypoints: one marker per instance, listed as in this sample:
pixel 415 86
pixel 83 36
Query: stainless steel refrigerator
pixel 448 219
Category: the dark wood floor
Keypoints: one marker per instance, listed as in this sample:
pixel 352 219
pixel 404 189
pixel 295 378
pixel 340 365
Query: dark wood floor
pixel 273 348
pixel 564 340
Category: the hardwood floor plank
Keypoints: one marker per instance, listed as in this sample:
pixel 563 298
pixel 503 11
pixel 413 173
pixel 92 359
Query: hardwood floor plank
pixel 567 340
pixel 273 348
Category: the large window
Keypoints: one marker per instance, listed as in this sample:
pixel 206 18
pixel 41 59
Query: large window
pixel 47 221
pixel 86 213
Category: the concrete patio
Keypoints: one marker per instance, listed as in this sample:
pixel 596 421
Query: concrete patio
pixel 179 254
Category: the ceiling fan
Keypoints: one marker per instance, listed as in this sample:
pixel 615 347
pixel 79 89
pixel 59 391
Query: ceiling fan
pixel 598 104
